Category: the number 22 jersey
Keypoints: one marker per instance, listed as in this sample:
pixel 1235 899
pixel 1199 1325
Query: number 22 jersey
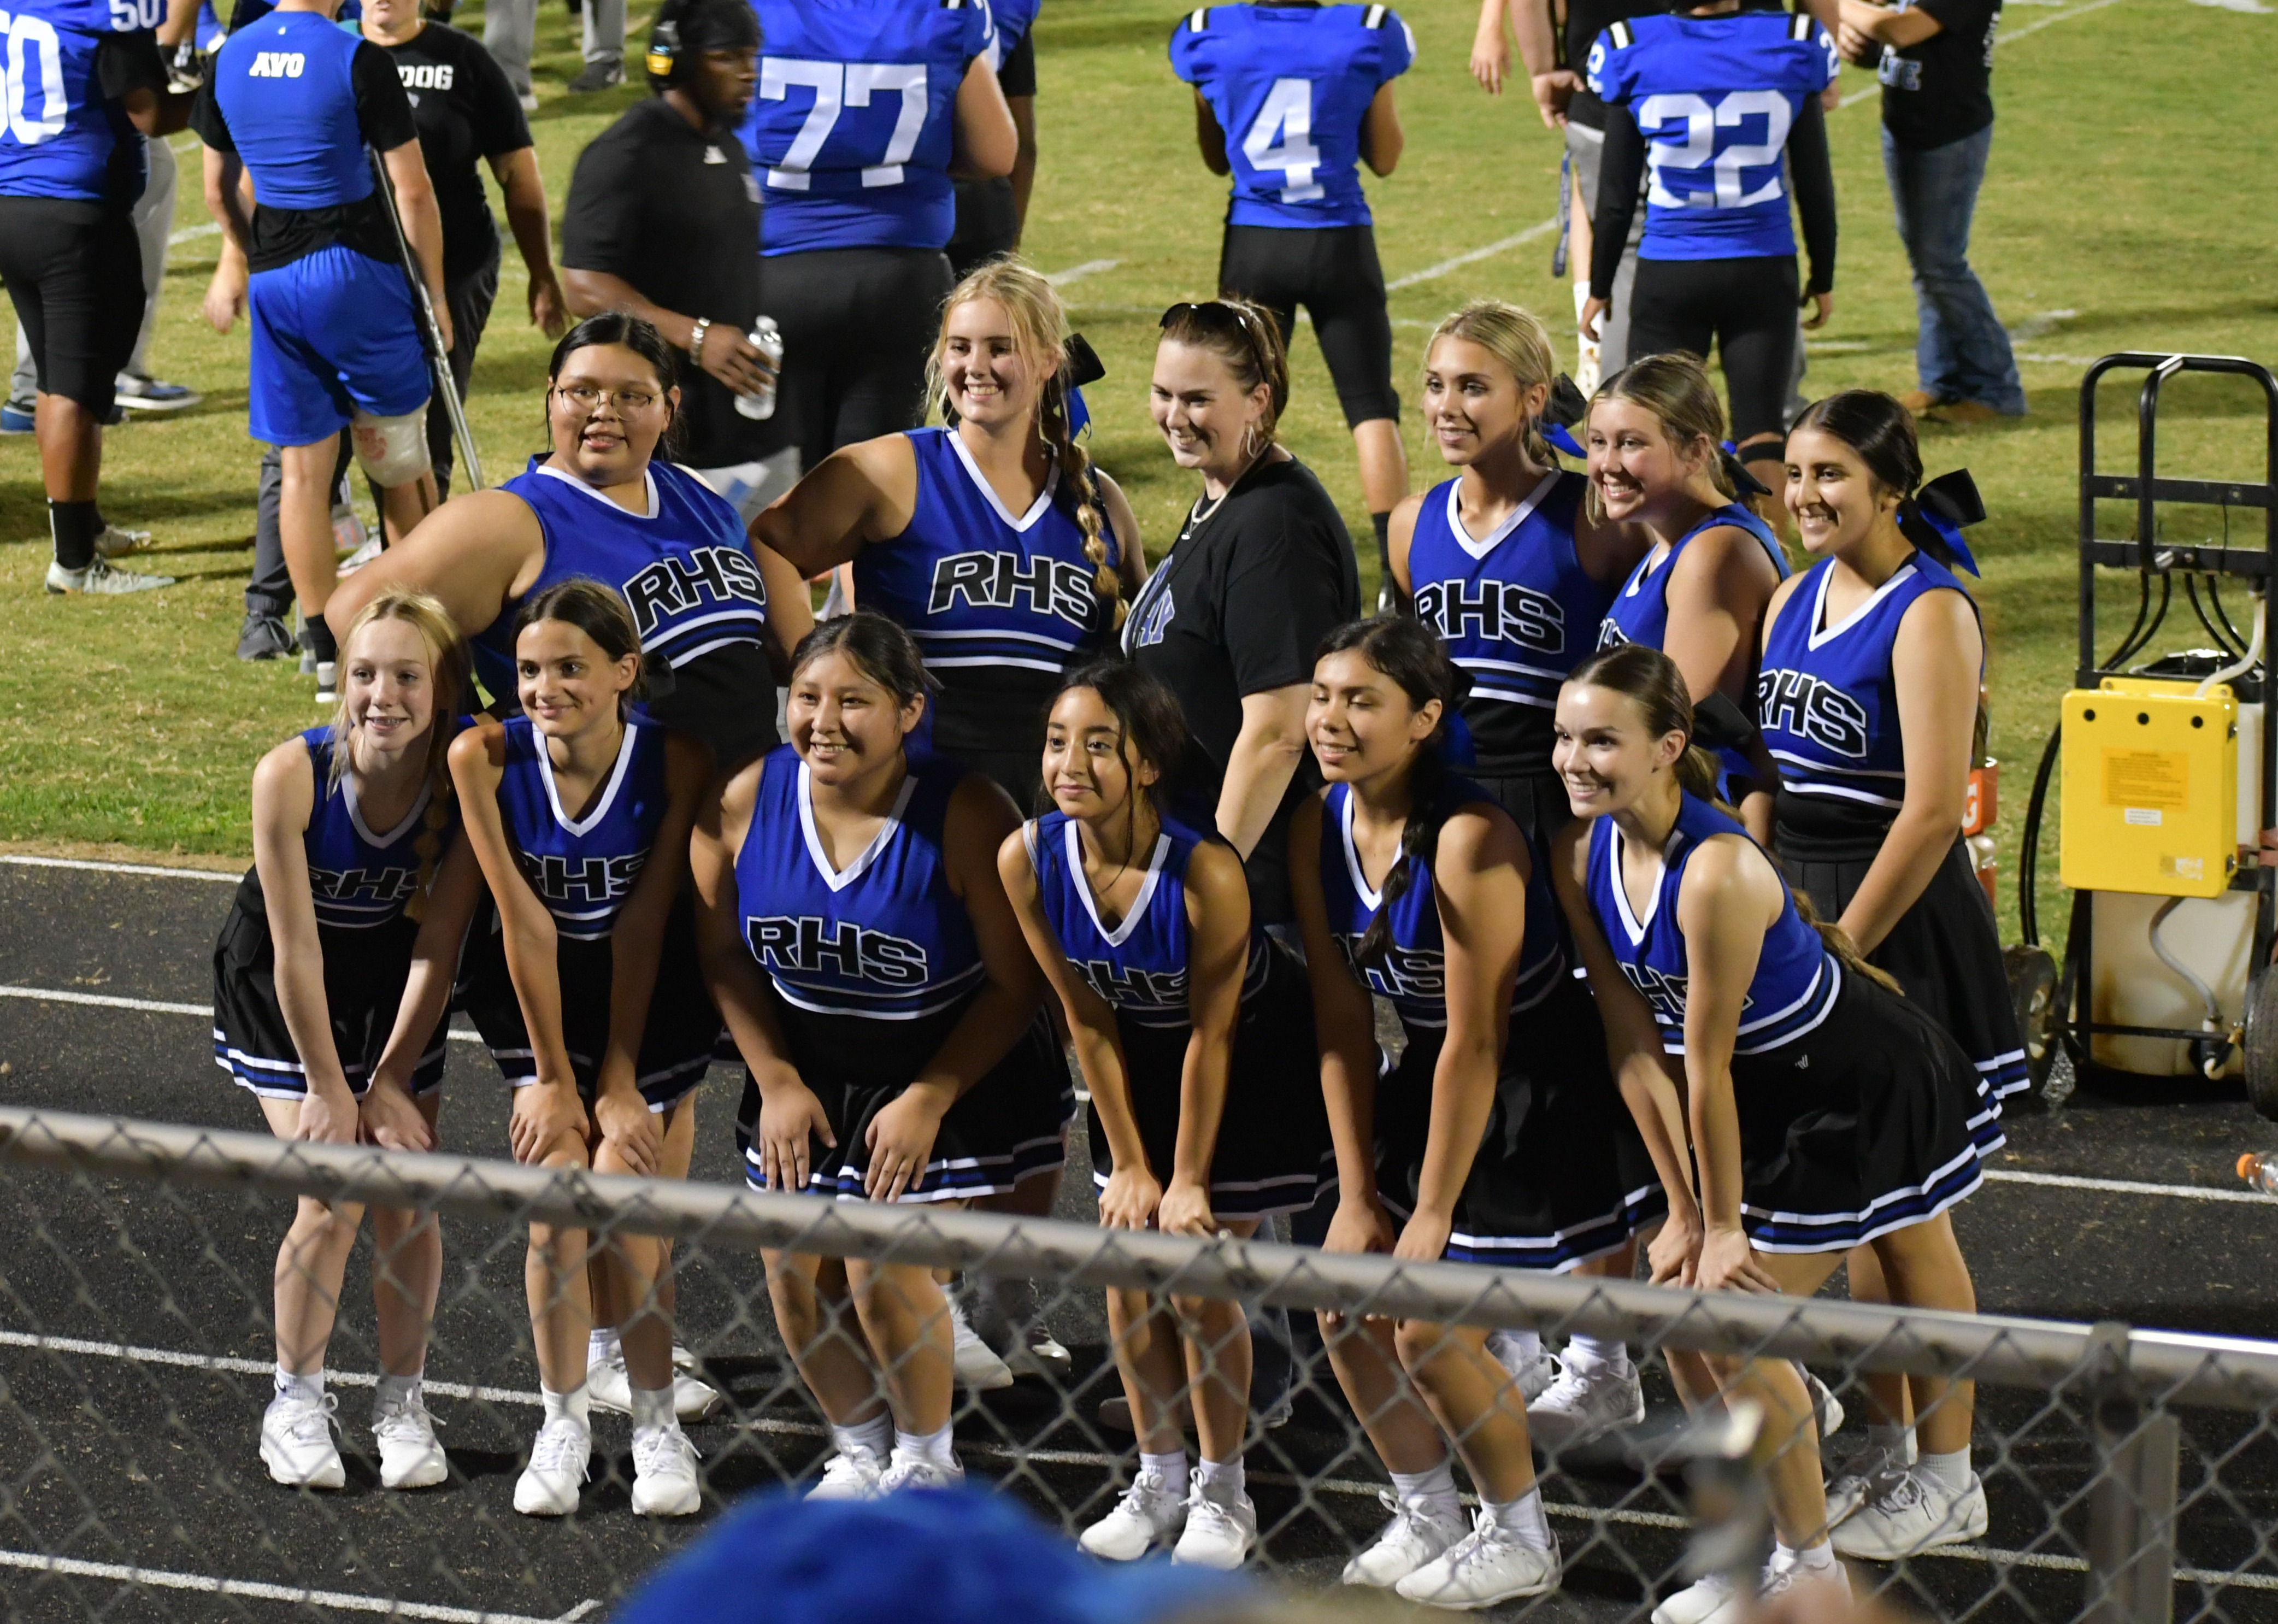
pixel 1290 85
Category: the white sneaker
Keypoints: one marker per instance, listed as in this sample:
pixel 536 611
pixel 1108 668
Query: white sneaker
pixel 664 1474
pixel 1484 1567
pixel 1779 1582
pixel 1575 1407
pixel 1413 1538
pixel 116 541
pixel 1534 1375
pixel 908 1472
pixel 296 1441
pixel 1219 1533
pixel 100 581
pixel 560 1460
pixel 610 1387
pixel 409 1457
pixel 1910 1513
pixel 978 1367
pixel 1857 1480
pixel 851 1474
pixel 1037 1353
pixel 1696 1603
pixel 1148 1514
pixel 682 1360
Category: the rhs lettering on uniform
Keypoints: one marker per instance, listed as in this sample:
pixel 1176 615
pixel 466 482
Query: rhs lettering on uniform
pixel 1119 984
pixel 673 586
pixel 1799 703
pixel 1501 612
pixel 809 945
pixel 1006 580
pixel 1403 972
pixel 593 880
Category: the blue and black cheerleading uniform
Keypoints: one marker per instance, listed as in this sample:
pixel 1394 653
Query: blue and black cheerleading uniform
pixel 1001 605
pixel 1517 611
pixel 1827 700
pixel 871 967
pixel 369 887
pixel 1857 1113
pixel 1562 1175
pixel 684 567
pixel 1272 1151
pixel 583 868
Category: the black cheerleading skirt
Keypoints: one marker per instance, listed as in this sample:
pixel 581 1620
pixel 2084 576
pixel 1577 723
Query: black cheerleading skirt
pixel 1867 1124
pixel 1009 1126
pixel 1561 1174
pixel 1945 951
pixel 675 1045
pixel 1273 1153
pixel 364 972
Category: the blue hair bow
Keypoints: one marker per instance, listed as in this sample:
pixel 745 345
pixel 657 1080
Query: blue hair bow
pixel 1932 518
pixel 1561 439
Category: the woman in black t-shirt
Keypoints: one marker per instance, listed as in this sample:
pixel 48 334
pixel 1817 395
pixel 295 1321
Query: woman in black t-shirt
pixel 1261 572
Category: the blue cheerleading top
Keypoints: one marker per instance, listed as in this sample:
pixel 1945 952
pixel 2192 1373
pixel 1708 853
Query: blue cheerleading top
pixel 582 869
pixel 1640 608
pixel 1516 608
pixel 685 568
pixel 1139 966
pixel 977 585
pixel 358 877
pixel 1796 980
pixel 1412 973
pixel 1828 701
pixel 884 937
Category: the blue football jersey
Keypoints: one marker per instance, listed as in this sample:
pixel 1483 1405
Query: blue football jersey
pixel 1715 99
pixel 1290 85
pixel 1010 21
pixel 284 87
pixel 583 868
pixel 60 136
pixel 851 131
pixel 359 877
pixel 1796 978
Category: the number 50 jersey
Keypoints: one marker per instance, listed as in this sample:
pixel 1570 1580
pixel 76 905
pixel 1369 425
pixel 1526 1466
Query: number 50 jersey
pixel 1715 99
pixel 62 133
pixel 851 129
pixel 1290 85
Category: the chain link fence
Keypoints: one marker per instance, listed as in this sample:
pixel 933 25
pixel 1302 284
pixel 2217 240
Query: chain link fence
pixel 2132 1477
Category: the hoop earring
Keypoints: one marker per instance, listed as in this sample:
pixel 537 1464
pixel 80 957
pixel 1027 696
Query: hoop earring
pixel 1250 448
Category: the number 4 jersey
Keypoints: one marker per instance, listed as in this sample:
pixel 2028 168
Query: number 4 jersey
pixel 63 130
pixel 1715 99
pixel 1290 85
pixel 852 128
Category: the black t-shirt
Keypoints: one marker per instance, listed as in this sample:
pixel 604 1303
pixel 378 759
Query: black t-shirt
pixel 1250 589
pixel 675 211
pixel 383 118
pixel 1018 75
pixel 1941 90
pixel 1586 20
pixel 466 112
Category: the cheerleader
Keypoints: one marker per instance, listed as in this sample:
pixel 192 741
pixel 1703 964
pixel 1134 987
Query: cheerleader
pixel 858 939
pixel 331 980
pixel 1494 1140
pixel 1821 1110
pixel 1655 435
pixel 1141 923
pixel 1872 662
pixel 587 992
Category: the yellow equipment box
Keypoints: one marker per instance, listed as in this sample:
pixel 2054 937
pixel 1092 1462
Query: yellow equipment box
pixel 2151 788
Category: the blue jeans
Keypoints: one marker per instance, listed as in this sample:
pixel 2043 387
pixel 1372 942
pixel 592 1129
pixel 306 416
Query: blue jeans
pixel 1961 351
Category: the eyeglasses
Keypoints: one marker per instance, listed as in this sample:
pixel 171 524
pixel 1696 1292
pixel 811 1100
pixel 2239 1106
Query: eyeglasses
pixel 588 398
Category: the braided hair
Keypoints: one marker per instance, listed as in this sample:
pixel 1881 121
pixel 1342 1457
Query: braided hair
pixel 1415 659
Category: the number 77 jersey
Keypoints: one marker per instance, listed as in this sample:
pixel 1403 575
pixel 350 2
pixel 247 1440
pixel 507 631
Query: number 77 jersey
pixel 1715 99
pixel 1290 85
pixel 852 128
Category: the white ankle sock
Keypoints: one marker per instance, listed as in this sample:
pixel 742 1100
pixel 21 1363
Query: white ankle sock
pixel 1173 1467
pixel 653 1408
pixel 1593 1356
pixel 1521 1520
pixel 601 1346
pixel 1524 1345
pixel 291 1384
pixel 1223 1481
pixel 1811 1559
pixel 935 1447
pixel 875 1435
pixel 575 1405
pixel 1896 1443
pixel 1951 1472
pixel 1435 1488
pixel 395 1392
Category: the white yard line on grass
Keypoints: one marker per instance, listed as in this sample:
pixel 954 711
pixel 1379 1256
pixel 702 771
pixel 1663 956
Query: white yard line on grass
pixel 1077 273
pixel 1434 272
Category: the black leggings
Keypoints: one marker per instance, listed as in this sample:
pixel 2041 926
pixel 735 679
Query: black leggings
pixel 74 273
pixel 858 325
pixel 1747 307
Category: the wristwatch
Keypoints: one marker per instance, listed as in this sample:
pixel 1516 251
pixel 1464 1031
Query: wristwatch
pixel 696 339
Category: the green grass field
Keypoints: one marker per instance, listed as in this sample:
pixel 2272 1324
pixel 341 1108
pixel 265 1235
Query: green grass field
pixel 2123 211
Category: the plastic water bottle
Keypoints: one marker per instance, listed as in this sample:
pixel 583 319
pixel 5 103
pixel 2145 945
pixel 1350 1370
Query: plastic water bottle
pixel 2260 1169
pixel 767 338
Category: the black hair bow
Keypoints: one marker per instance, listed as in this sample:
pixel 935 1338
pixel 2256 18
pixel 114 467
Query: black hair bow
pixel 1932 518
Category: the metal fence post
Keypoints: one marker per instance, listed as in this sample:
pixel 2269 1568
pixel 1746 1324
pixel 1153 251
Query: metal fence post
pixel 2131 1520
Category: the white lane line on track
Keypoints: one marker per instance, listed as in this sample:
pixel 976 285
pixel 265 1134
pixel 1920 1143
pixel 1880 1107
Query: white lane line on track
pixel 150 870
pixel 150 1005
pixel 1433 273
pixel 2007 36
pixel 250 1590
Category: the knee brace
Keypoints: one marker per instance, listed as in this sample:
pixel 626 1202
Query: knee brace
pixel 392 450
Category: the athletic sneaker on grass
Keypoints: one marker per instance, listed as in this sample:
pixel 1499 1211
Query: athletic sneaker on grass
pixel 140 391
pixel 100 579
pixel 116 541
pixel 1485 1567
pixel 263 636
pixel 1416 1536
pixel 1150 1513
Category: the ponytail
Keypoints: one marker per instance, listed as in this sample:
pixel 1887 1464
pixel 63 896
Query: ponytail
pixel 1838 942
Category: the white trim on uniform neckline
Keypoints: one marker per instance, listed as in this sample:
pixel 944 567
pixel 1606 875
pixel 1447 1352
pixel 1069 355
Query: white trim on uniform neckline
pixel 1037 508
pixel 355 813
pixel 1630 923
pixel 648 479
pixel 1820 633
pixel 582 826
pixel 838 880
pixel 1361 888
pixel 1121 934
pixel 1513 521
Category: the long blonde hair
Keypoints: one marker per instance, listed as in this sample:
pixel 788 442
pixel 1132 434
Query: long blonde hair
pixel 448 673
pixel 1676 389
pixel 1518 339
pixel 1040 336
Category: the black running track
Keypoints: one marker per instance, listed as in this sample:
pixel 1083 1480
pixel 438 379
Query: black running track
pixel 145 1459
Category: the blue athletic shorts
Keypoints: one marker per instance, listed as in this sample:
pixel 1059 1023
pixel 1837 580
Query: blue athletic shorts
pixel 333 331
